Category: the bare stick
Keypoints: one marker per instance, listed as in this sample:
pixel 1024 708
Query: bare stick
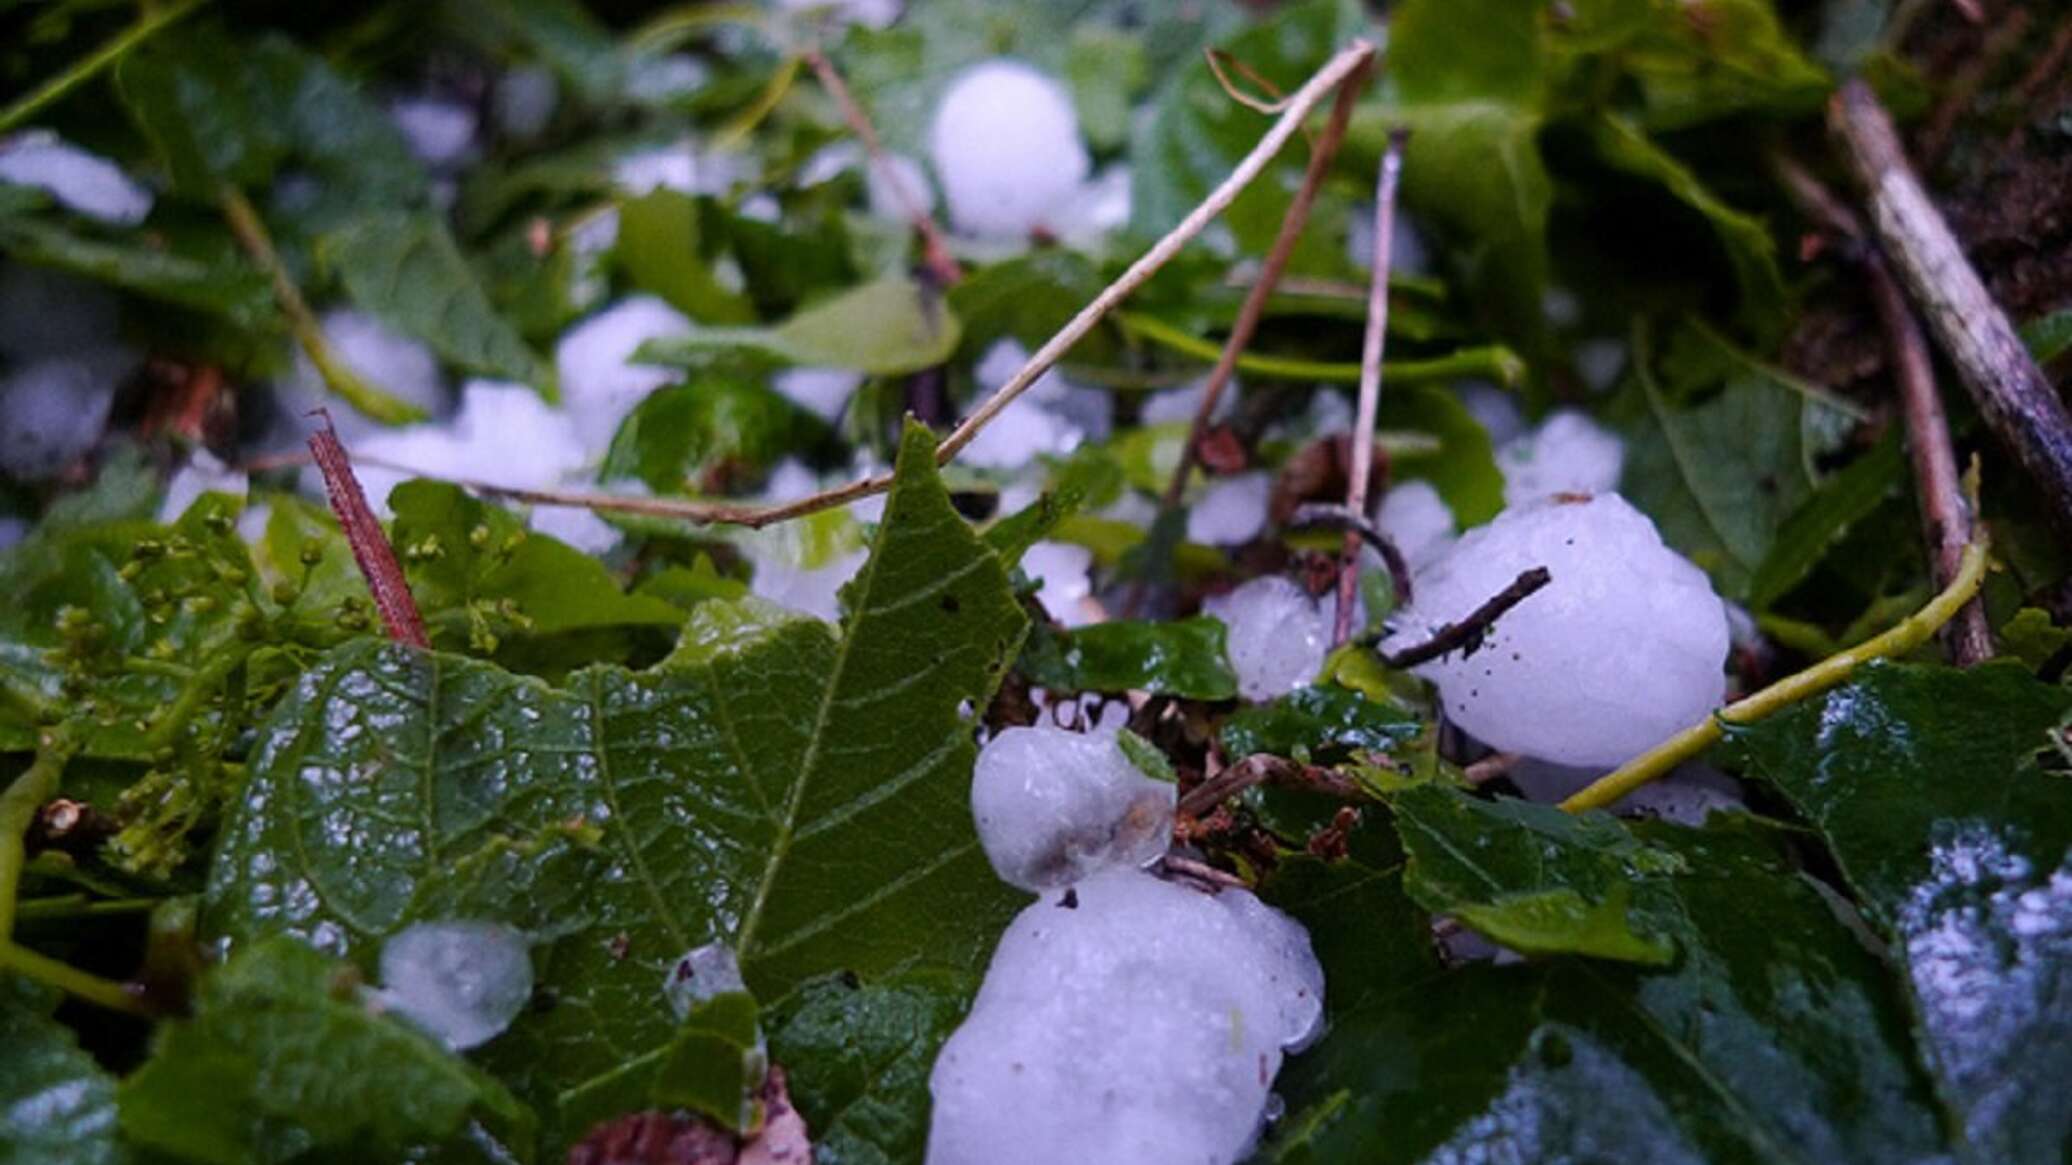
pixel 1259 769
pixel 1371 346
pixel 1468 632
pixel 2011 392
pixel 1254 306
pixel 371 550
pixel 1946 516
pixel 1911 632
pixel 1338 517
pixel 933 250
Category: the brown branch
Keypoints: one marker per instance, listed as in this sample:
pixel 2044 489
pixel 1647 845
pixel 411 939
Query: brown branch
pixel 1468 632
pixel 1340 518
pixel 371 550
pixel 1963 87
pixel 1254 306
pixel 1371 347
pixel 934 252
pixel 1946 517
pixel 2019 405
pixel 1261 769
pixel 2048 65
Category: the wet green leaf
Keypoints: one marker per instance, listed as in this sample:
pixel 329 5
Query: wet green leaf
pixel 1946 804
pixel 712 434
pixel 891 326
pixel 1180 658
pixel 57 1106
pixel 222 283
pixel 270 1033
pixel 743 791
pixel 1319 722
pixel 405 269
pixel 1824 518
pixel 857 1056
pixel 714 1065
pixel 2048 336
pixel 659 249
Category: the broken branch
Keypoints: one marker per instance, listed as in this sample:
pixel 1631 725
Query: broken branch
pixel 1371 348
pixel 1468 632
pixel 371 549
pixel 934 251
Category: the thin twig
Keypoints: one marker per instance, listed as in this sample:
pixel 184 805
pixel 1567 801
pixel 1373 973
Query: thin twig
pixel 90 66
pixel 1216 58
pixel 1490 767
pixel 1371 347
pixel 71 980
pixel 371 549
pixel 1911 632
pixel 1211 878
pixel 1946 517
pixel 1253 307
pixel 2011 392
pixel 1468 632
pixel 934 251
pixel 19 804
pixel 2049 64
pixel 1488 361
pixel 1340 518
pixel 1260 769
pixel 338 376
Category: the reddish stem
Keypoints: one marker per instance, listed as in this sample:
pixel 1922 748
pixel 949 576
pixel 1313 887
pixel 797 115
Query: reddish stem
pixel 371 549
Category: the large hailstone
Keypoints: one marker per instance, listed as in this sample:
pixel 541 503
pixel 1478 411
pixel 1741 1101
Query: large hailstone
pixel 1276 635
pixel 1006 147
pixel 1127 1020
pixel 463 981
pixel 1568 453
pixel 1626 645
pixel 1054 807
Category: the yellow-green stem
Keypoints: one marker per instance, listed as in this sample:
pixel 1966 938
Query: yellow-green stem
pixel 1911 632
pixel 71 980
pixel 338 376
pixel 88 67
pixel 18 806
pixel 1494 361
pixel 736 131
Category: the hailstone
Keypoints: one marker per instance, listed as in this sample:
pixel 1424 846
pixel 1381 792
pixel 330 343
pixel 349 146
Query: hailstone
pixel 1568 453
pixel 702 973
pixel 1626 645
pixel 1006 147
pixel 1418 521
pixel 1232 510
pixel 1055 806
pixel 1276 635
pixel 1128 1019
pixel 463 981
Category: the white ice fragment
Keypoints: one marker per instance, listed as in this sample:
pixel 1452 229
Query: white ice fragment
pixel 897 187
pixel 1231 511
pixel 1623 647
pixel 45 313
pixel 1180 404
pixel 598 383
pixel 1095 210
pixel 463 981
pixel 1495 409
pixel 1020 433
pixel 1128 1020
pixel 869 13
pixel 441 134
pixel 1568 453
pixel 1600 361
pixel 524 101
pixel 1418 521
pixel 1062 569
pixel 53 411
pixel 663 168
pixel 202 474
pixel 659 79
pixel 82 182
pixel 804 564
pixel 1085 413
pixel 1409 254
pixel 1005 144
pixel 1561 307
pixel 824 392
pixel 503 435
pixel 1054 807
pixel 1687 795
pixel 702 973
pixel 1086 712
pixel 1277 635
pixel 577 526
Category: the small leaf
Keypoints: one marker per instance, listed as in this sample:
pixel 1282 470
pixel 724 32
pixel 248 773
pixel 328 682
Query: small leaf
pixel 658 248
pixel 405 269
pixel 713 1066
pixel 1320 722
pixel 886 328
pixel 291 1059
pixel 1824 518
pixel 710 435
pixel 57 1106
pixel 221 284
pixel 1184 658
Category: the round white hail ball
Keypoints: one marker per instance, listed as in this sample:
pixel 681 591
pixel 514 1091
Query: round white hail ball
pixel 1054 806
pixel 462 980
pixel 1006 147
pixel 1625 646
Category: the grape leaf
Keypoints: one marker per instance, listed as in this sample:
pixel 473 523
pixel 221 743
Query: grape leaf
pixel 57 1107
pixel 283 1056
pixel 221 283
pixel 1932 788
pixel 1184 657
pixel 1320 721
pixel 890 326
pixel 798 794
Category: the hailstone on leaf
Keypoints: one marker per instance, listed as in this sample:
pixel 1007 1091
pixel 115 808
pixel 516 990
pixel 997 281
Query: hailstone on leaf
pixel 1126 1020
pixel 463 981
pixel 1276 635
pixel 1626 645
pixel 1055 806
pixel 1006 147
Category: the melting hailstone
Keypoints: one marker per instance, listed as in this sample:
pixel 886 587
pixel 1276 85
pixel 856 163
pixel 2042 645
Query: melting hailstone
pixel 463 981
pixel 1127 1020
pixel 702 973
pixel 1626 645
pixel 1055 806
pixel 1277 635
pixel 1005 144
pixel 1568 453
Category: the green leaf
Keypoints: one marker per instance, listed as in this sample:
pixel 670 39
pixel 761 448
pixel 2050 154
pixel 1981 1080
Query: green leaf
pixel 1318 722
pixel 404 268
pixel 57 1106
pixel 2048 336
pixel 1463 469
pixel 1089 478
pixel 1106 67
pixel 745 791
pixel 221 284
pixel 1750 251
pixel 1183 658
pixel 1537 879
pixel 887 327
pixel 1736 58
pixel 658 248
pixel 1949 812
pixel 284 1057
pixel 461 554
pixel 715 1064
pixel 708 436
pixel 2032 637
pixel 1824 519
pixel 1775 1036
pixel 857 1057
